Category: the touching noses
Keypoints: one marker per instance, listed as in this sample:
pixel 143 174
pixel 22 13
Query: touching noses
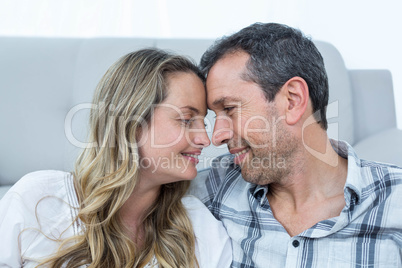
pixel 200 138
pixel 223 130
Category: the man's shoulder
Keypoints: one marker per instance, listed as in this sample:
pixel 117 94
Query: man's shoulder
pixel 216 171
pixel 383 171
pixel 223 171
pixel 383 180
pixel 210 181
pixel 382 196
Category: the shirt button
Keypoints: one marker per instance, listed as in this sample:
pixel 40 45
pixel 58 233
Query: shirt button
pixel 295 243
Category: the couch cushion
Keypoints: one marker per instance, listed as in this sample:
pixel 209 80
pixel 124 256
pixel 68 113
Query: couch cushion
pixel 36 82
pixel 340 108
pixel 95 56
pixel 193 48
pixel 374 104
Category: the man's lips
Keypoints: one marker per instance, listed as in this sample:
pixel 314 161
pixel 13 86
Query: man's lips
pixel 240 154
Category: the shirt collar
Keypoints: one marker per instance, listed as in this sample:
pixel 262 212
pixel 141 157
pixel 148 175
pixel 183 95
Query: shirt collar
pixel 354 182
pixel 259 192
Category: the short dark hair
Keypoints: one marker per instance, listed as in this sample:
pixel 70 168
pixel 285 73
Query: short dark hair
pixel 277 53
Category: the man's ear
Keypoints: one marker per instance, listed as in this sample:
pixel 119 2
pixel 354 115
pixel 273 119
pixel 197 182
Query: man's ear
pixel 297 97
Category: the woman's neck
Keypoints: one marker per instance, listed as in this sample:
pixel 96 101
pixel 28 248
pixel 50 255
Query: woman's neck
pixel 135 209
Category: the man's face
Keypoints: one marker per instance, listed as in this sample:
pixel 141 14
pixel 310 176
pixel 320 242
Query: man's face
pixel 250 125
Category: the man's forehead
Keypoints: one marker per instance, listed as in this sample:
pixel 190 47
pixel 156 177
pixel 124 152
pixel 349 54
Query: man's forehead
pixel 234 62
pixel 227 72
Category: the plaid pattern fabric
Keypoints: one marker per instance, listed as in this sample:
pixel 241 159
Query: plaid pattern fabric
pixel 367 233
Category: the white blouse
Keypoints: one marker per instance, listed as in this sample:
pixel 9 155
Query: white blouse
pixel 41 206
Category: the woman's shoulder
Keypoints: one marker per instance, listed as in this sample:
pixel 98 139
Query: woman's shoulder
pixel 213 243
pixel 43 181
pixel 42 175
pixel 41 199
pixel 37 211
pixel 197 211
pixel 38 185
pixel 192 202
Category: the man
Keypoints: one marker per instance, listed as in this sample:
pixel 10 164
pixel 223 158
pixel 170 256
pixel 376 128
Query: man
pixel 281 204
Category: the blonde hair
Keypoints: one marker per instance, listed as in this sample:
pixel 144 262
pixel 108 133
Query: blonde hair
pixel 106 174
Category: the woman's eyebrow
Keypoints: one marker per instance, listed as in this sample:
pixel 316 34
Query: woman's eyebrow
pixel 195 110
pixel 189 107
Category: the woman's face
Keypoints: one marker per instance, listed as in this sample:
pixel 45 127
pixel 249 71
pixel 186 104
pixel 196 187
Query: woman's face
pixel 173 140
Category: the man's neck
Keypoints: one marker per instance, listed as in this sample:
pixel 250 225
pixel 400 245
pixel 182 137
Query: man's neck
pixel 312 192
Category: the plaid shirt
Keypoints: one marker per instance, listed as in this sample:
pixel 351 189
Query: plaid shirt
pixel 367 233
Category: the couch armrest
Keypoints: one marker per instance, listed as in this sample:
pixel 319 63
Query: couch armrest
pixel 385 146
pixel 374 105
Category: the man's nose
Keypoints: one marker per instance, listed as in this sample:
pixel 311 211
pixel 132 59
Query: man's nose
pixel 223 130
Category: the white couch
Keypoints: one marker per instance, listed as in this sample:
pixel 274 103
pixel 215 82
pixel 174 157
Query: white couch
pixel 44 80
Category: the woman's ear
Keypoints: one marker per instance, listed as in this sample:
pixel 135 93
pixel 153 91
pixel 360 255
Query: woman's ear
pixel 297 97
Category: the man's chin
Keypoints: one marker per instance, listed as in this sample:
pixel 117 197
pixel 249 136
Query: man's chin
pixel 259 176
pixel 249 175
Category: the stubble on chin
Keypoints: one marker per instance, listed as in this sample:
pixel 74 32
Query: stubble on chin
pixel 265 173
pixel 272 163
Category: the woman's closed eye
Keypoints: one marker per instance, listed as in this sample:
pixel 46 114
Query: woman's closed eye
pixel 187 122
pixel 197 122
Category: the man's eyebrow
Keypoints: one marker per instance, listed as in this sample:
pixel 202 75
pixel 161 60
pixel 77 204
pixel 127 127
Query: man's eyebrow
pixel 225 99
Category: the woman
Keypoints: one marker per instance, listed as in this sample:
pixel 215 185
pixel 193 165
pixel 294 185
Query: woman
pixel 125 204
